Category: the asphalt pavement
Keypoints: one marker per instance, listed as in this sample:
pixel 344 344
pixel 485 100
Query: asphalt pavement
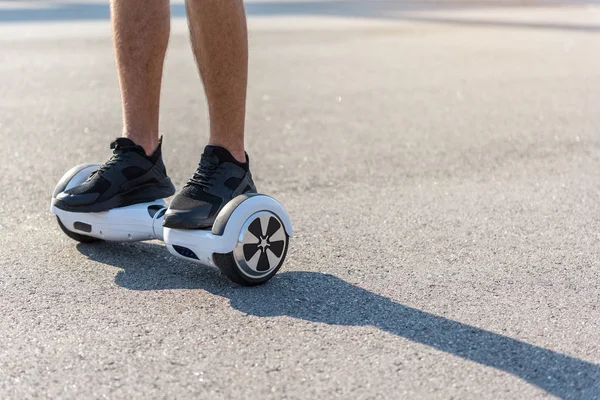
pixel 440 161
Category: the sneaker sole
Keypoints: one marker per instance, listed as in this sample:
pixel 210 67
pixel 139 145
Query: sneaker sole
pixel 140 194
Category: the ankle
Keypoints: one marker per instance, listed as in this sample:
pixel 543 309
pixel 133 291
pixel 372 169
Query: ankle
pixel 237 153
pixel 149 144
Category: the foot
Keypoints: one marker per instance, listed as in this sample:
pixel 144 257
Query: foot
pixel 129 177
pixel 218 179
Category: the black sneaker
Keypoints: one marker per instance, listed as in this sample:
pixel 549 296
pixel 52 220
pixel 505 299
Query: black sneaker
pixel 218 179
pixel 129 177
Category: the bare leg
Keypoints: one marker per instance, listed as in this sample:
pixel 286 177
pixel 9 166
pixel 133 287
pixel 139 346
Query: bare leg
pixel 220 43
pixel 141 34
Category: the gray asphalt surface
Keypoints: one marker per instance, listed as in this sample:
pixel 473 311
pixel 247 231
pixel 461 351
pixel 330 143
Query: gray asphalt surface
pixel 441 164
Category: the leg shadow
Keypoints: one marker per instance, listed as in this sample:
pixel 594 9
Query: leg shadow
pixel 324 298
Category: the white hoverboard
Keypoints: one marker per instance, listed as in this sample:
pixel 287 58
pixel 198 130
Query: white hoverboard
pixel 248 241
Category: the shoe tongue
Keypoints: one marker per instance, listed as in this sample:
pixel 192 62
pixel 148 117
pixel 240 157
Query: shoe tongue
pixel 126 144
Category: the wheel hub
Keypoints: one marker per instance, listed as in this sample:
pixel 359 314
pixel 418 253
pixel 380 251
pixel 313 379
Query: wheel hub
pixel 261 245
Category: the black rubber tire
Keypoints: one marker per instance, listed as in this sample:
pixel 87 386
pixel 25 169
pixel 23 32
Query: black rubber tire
pixel 227 265
pixel 76 236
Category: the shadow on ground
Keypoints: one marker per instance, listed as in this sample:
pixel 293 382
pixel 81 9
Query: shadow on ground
pixel 396 10
pixel 326 299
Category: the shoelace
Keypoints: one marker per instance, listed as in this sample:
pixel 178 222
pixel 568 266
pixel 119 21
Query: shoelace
pixel 204 175
pixel 114 160
pixel 118 156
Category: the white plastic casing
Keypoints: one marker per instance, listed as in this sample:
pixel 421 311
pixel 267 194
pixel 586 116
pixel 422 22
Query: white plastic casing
pixel 126 224
pixel 204 243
